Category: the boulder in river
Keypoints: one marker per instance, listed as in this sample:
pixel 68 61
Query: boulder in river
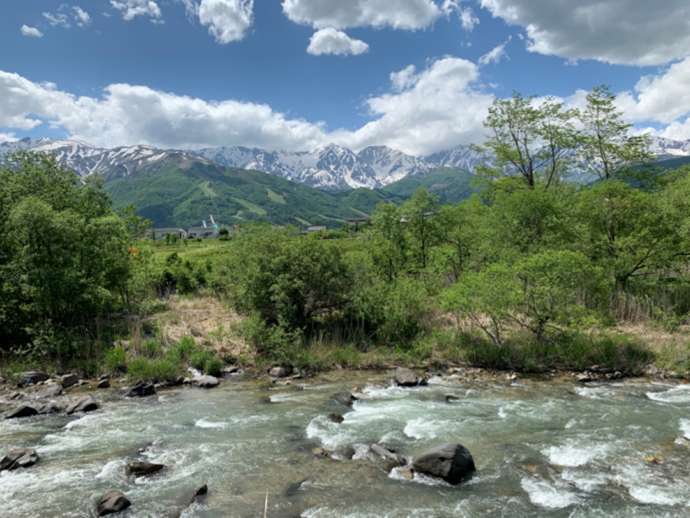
pixel 112 502
pixel 141 389
pixel 206 381
pixel 33 377
pixel 103 383
pixel 50 408
pixel 345 398
pixel 18 458
pixel 280 371
pixel 22 411
pixel 335 418
pixel 85 404
pixel 407 378
pixel 51 390
pixel 68 380
pixel 450 462
pixel 143 468
pixel 388 458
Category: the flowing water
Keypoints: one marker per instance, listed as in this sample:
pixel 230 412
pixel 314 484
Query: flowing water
pixel 541 449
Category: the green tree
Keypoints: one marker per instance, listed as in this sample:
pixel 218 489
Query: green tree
pixel 389 244
pixel 420 218
pixel 605 144
pixel 533 142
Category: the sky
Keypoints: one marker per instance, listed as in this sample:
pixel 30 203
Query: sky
pixel 415 75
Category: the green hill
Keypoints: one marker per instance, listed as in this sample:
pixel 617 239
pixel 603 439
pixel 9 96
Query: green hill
pixel 450 185
pixel 175 194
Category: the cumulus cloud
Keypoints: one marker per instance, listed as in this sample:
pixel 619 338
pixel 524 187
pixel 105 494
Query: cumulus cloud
pixel 128 114
pixel 130 9
pixel 627 32
pixel 227 20
pixel 679 130
pixel 333 41
pixel 7 137
pixel 398 14
pixel 468 19
pixel 495 55
pixel 31 32
pixel 427 111
pixel 59 19
pixel 662 98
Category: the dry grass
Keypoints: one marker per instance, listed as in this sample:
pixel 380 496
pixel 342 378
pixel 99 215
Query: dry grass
pixel 205 319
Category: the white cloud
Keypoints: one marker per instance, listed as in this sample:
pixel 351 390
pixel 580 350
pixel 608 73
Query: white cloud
pixel 404 78
pixel 81 17
pixel 679 130
pixel 127 114
pixel 227 20
pixel 130 9
pixel 7 137
pixel 31 32
pixel 58 19
pixel 495 55
pixel 333 41
pixel 468 19
pixel 662 98
pixel 432 110
pixel 342 14
pixel 628 32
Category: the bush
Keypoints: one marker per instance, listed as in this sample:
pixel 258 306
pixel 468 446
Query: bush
pixel 154 370
pixel 206 362
pixel 116 360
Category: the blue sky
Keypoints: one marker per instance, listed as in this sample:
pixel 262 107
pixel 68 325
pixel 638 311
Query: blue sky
pixel 190 73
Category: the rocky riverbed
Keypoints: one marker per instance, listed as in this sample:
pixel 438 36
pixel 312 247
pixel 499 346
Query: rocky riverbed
pixel 351 444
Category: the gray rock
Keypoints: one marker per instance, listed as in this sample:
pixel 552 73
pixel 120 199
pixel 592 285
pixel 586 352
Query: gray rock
pixel 50 408
pixel 450 462
pixel 280 371
pixel 112 502
pixel 18 458
pixel 388 458
pixel 68 380
pixel 143 468
pixel 207 382
pixel 85 404
pixel 141 389
pixel 103 383
pixel 33 377
pixel 407 378
pixel 22 411
pixel 51 390
pixel 335 418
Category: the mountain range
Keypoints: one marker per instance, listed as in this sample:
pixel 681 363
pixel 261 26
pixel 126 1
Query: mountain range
pixel 237 184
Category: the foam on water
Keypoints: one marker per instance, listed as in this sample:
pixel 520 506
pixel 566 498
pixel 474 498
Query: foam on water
pixel 213 425
pixel 546 495
pixel 423 428
pixel 574 453
pixel 595 392
pixel 388 392
pixel 679 394
pixel 685 428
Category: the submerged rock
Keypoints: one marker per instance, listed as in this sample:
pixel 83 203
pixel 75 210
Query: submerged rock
pixel 33 377
pixel 22 411
pixel 345 398
pixel 85 404
pixel 450 462
pixel 407 378
pixel 112 502
pixel 141 389
pixel 143 468
pixel 18 458
pixel 207 382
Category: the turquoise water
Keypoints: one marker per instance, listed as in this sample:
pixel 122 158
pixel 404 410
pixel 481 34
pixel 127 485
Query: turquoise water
pixel 541 449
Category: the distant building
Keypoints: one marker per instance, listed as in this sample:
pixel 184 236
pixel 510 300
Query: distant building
pixel 162 233
pixel 202 232
pixel 316 228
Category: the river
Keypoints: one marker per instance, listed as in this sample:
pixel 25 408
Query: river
pixel 541 449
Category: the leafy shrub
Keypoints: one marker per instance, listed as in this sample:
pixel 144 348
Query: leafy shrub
pixel 116 360
pixel 154 370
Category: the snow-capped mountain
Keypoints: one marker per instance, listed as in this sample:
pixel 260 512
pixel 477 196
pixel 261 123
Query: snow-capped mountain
pixel 330 167
pixel 335 167
pixel 87 160
pixel 664 147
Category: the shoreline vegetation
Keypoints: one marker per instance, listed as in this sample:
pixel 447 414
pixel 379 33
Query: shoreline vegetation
pixel 535 274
